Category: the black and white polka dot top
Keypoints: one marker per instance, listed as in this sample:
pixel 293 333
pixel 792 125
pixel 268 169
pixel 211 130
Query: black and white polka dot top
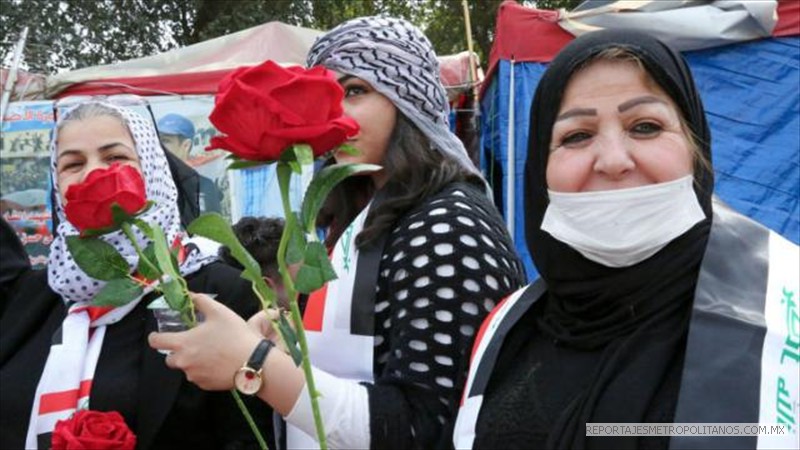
pixel 445 266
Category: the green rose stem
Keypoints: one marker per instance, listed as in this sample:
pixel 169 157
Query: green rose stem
pixel 191 320
pixel 126 228
pixel 284 177
pixel 243 408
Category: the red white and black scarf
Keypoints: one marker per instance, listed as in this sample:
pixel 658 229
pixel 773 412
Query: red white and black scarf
pixel 339 318
pixel 66 381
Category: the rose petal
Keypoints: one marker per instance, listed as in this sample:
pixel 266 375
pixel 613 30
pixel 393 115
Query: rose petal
pixel 98 442
pixel 226 81
pixel 250 124
pixel 131 180
pixel 81 215
pixel 264 109
pixel 102 216
pixel 267 75
pixel 321 71
pixel 130 202
pixel 234 146
pixel 327 142
pixel 347 125
pixel 313 100
pixel 243 116
pixel 89 203
pixel 272 146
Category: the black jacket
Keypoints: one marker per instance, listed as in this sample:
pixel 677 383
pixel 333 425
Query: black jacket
pixel 161 406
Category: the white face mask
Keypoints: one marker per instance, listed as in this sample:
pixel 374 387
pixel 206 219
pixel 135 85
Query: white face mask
pixel 620 228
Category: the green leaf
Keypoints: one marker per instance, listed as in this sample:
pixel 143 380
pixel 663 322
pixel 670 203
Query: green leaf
pixel 296 156
pixel 121 216
pixel 349 150
pixel 173 253
pixel 144 226
pixel 316 269
pixel 304 154
pixel 243 164
pixel 296 167
pixel 177 298
pixel 118 292
pixel 174 295
pixel 97 258
pixel 290 339
pixel 215 227
pixel 164 258
pixel 149 271
pixel 296 246
pixel 321 186
pixel 99 231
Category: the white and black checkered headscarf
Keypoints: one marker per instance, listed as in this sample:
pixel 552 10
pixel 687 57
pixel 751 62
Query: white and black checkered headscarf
pixel 398 61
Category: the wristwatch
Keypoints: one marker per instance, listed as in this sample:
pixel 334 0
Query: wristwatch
pixel 248 379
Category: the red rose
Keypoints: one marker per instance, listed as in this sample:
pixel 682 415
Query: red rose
pixel 89 203
pixel 262 110
pixel 93 430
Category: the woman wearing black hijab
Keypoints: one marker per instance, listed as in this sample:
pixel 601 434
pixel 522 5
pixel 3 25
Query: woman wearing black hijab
pixel 654 302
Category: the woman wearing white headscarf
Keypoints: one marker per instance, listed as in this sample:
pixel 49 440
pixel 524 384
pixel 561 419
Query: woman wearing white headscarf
pixel 59 353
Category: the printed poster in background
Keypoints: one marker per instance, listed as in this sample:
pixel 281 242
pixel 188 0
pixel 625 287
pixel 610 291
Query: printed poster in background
pixel 184 130
pixel 24 175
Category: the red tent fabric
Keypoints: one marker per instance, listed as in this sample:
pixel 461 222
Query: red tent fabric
pixel 535 35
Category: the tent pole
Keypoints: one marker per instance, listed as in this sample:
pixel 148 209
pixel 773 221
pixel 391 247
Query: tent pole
pixel 511 169
pixel 473 73
pixel 12 74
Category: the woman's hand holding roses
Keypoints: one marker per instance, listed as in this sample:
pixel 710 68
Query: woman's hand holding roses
pixel 261 323
pixel 210 362
pixel 207 360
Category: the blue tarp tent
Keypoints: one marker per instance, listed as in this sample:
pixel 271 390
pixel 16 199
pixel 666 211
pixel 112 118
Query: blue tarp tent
pixel 749 79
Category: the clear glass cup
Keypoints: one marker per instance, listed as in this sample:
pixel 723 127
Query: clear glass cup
pixel 168 319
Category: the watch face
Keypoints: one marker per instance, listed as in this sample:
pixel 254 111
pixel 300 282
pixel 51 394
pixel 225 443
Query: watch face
pixel 247 380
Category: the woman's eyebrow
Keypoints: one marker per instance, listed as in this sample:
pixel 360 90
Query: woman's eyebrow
pixel 67 153
pixel 111 145
pixel 638 101
pixel 577 112
pixel 102 149
pixel 344 78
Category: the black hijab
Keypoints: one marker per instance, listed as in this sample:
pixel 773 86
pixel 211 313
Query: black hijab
pixel 187 180
pixel 636 316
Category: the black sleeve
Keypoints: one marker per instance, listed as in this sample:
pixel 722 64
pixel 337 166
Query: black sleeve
pixel 445 267
pixel 13 261
pixel 232 430
pixel 210 195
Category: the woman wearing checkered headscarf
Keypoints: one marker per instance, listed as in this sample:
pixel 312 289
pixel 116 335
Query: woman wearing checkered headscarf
pixel 420 252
